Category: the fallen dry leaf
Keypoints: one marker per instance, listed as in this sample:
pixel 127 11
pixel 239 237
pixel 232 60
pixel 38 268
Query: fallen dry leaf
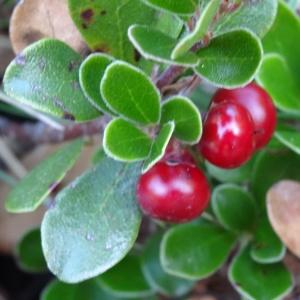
pixel 13 226
pixel 283 204
pixel 33 20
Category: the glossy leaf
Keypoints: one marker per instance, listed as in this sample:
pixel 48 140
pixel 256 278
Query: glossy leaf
pixel 86 290
pixel 45 77
pixel 238 175
pixel 159 146
pixel 29 252
pixel 195 250
pixel 37 185
pixel 200 30
pixel 231 59
pixel 159 280
pixel 94 223
pixel 270 168
pixel 158 46
pixel 124 142
pixel 259 282
pixel 187 118
pixel 267 247
pixel 126 279
pixel 104 24
pixel 276 77
pixel 90 75
pixel 130 93
pixel 234 207
pixel 257 16
pixel 182 7
pixel 289 136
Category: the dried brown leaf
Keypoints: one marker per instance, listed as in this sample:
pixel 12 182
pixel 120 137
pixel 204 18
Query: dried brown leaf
pixel 33 20
pixel 283 203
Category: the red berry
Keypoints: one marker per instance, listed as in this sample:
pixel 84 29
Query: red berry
pixel 258 102
pixel 227 140
pixel 176 153
pixel 173 192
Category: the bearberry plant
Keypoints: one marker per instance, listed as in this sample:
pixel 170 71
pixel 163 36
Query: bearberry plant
pixel 198 179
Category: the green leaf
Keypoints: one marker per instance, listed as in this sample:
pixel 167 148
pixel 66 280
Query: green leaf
pixel 94 223
pixel 89 290
pixel 259 282
pixel 37 185
pixel 130 93
pixel 119 283
pixel 124 142
pixel 238 175
pixel 104 24
pixel 234 207
pixel 231 59
pixel 90 75
pixel 158 46
pixel 200 30
pixel 270 168
pixel 159 280
pixel 29 252
pixel 187 118
pixel 289 136
pixel 195 251
pixel 159 146
pixel 276 77
pixel 45 77
pixel 182 7
pixel 267 247
pixel 282 36
pixel 257 16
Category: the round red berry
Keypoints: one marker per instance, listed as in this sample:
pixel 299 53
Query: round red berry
pixel 227 140
pixel 260 106
pixel 173 192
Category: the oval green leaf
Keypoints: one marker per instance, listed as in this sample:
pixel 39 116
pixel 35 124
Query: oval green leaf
pixel 29 252
pixel 266 247
pixel 231 59
pixel 37 185
pixel 200 30
pixel 86 290
pixel 90 75
pixel 257 16
pixel 117 281
pixel 182 7
pixel 94 223
pixel 158 46
pixel 276 77
pixel 159 280
pixel 124 142
pixel 196 250
pixel 104 24
pixel 130 93
pixel 45 77
pixel 234 207
pixel 271 167
pixel 187 118
pixel 289 136
pixel 159 146
pixel 259 282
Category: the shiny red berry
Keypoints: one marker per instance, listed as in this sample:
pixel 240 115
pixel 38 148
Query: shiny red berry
pixel 173 192
pixel 227 140
pixel 260 105
pixel 177 153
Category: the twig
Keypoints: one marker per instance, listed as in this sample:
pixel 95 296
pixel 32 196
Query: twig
pixel 10 160
pixel 169 76
pixel 40 133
